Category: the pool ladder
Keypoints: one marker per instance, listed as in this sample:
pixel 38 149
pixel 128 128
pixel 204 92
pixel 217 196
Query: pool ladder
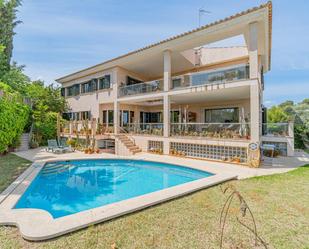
pixel 52 169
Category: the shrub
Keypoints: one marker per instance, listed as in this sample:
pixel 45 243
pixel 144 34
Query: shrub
pixel 45 127
pixel 13 118
pixel 72 142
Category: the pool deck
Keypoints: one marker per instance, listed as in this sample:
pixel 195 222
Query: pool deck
pixel 273 166
pixel 36 224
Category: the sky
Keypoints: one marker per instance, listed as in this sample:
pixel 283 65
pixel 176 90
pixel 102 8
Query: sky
pixel 59 37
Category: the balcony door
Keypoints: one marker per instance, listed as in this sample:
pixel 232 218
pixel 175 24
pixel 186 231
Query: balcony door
pixel 126 117
pixel 108 117
pixel 151 117
pixel 175 117
pixel 222 115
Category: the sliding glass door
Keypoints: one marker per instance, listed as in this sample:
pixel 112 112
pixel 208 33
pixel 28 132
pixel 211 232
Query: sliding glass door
pixel 222 115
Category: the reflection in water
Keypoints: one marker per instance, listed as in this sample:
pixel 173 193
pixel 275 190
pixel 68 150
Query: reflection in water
pixel 88 184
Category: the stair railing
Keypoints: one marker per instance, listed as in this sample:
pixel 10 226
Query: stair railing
pixel 126 133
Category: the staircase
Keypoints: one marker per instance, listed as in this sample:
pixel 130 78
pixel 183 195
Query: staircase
pixel 24 142
pixel 129 144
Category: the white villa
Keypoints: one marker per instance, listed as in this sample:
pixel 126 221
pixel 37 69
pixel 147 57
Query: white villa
pixel 182 96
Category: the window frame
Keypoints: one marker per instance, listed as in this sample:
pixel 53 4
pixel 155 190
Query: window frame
pixel 90 85
pixel 235 108
pixel 104 84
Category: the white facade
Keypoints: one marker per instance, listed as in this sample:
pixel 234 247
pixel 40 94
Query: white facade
pixel 175 82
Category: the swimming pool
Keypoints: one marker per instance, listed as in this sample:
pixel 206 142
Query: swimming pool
pixel 68 187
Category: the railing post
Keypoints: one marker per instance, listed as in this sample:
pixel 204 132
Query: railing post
pixel 291 129
pixel 71 127
pixel 93 126
pixel 58 126
pixel 116 117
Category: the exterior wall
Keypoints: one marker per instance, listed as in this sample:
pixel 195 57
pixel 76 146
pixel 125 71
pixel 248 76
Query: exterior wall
pixel 197 108
pixel 142 141
pixel 120 149
pixel 215 55
pixel 288 140
pixel 90 101
pixel 122 74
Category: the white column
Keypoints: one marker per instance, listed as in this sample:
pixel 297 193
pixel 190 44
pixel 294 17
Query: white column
pixel 253 50
pixel 255 100
pixel 290 139
pixel 167 69
pixel 116 116
pixel 255 112
pixel 166 115
pixel 291 129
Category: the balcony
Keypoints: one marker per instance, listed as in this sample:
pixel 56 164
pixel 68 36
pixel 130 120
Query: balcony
pixel 155 129
pixel 276 129
pixel 140 88
pixel 210 78
pixel 230 131
pixel 81 127
pixel 237 131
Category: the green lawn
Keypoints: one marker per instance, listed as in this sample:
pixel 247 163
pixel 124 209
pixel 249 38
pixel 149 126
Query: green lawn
pixel 280 204
pixel 11 166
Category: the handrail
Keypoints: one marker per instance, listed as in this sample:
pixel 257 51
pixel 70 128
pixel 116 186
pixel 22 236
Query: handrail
pixel 139 88
pixel 141 83
pixel 240 123
pixel 129 137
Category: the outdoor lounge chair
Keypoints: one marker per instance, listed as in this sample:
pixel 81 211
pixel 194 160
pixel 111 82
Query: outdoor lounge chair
pixel 63 145
pixel 53 146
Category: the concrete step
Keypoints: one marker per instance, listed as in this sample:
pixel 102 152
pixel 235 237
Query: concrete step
pixel 129 144
pixel 24 142
pixel 136 151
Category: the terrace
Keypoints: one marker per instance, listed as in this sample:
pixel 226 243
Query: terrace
pixel 229 131
pixel 210 77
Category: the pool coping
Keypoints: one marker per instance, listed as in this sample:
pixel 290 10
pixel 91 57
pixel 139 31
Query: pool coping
pixel 38 224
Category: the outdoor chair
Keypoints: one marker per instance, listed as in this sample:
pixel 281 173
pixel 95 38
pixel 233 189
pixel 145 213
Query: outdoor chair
pixel 64 146
pixel 53 146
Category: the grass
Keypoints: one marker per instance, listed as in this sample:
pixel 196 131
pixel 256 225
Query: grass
pixel 279 204
pixel 11 166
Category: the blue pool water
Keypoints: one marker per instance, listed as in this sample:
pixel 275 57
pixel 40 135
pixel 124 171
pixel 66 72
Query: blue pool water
pixel 65 188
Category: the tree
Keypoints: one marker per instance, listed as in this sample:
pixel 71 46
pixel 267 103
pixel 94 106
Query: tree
pixel 46 103
pixel 8 22
pixel 286 103
pixel 16 79
pixel 276 114
pixel 299 114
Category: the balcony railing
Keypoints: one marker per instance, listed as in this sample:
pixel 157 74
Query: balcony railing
pixel 276 129
pixel 104 128
pixel 145 87
pixel 220 76
pixel 144 128
pixel 211 130
pixel 81 127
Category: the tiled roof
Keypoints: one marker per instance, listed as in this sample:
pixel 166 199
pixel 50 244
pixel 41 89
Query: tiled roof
pixel 266 5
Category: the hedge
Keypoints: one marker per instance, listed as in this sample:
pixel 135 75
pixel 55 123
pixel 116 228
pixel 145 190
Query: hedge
pixel 13 118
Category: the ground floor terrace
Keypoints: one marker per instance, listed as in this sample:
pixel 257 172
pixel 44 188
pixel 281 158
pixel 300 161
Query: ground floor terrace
pixel 216 125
